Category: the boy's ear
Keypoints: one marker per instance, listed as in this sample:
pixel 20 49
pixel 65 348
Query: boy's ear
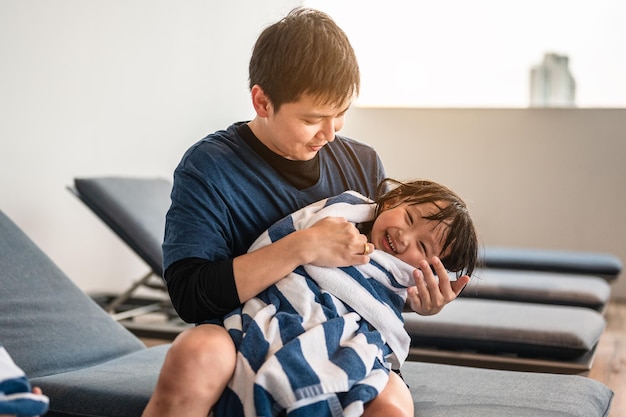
pixel 260 101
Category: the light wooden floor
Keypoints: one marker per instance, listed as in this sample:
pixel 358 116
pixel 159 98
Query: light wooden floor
pixel 609 366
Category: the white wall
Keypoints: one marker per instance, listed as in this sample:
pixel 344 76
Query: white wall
pixel 541 178
pixel 111 87
pixel 119 87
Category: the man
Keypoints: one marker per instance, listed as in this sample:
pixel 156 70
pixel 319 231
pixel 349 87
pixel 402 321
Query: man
pixel 235 183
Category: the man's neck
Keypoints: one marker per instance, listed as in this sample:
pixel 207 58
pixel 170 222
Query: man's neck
pixel 300 174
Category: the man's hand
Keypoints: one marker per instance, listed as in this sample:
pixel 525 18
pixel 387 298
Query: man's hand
pixel 336 242
pixel 332 242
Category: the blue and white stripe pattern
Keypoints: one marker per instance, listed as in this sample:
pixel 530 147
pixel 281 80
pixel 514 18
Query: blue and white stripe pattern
pixel 321 341
pixel 16 397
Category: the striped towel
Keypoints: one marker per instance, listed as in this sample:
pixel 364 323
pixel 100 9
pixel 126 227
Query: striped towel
pixel 321 341
pixel 16 397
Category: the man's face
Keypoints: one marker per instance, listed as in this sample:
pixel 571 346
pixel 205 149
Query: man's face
pixel 300 129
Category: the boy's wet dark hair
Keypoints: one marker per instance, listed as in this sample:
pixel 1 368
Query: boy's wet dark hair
pixel 304 53
pixel 460 240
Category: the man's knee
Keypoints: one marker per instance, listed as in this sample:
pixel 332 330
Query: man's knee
pixel 206 346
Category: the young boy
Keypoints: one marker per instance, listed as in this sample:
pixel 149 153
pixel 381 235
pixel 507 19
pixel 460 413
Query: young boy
pixel 232 185
pixel 323 339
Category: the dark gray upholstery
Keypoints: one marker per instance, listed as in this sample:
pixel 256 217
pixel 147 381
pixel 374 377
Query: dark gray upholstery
pixel 118 387
pixel 532 330
pixel 118 201
pixel 539 287
pixel 449 391
pixel 84 360
pixel 91 366
pixel 570 262
pixel 42 310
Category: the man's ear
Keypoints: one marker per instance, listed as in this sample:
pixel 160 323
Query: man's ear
pixel 260 101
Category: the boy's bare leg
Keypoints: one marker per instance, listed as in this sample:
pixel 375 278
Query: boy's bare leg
pixel 196 370
pixel 394 401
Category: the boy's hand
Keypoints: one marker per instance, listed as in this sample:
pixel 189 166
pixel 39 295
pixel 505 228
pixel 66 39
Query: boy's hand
pixel 431 293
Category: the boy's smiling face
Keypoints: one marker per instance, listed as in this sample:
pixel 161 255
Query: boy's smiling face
pixel 403 231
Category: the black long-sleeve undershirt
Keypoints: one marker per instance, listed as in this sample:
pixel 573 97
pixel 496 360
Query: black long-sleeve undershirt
pixel 211 286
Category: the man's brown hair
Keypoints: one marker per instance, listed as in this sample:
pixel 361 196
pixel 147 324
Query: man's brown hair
pixel 304 53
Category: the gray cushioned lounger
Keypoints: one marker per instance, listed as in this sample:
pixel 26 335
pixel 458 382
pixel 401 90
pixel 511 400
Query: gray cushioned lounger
pixel 89 365
pixel 507 335
pixel 599 264
pixel 540 287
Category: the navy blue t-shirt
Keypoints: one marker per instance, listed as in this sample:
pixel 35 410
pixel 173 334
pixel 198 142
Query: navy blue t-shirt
pixel 225 194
